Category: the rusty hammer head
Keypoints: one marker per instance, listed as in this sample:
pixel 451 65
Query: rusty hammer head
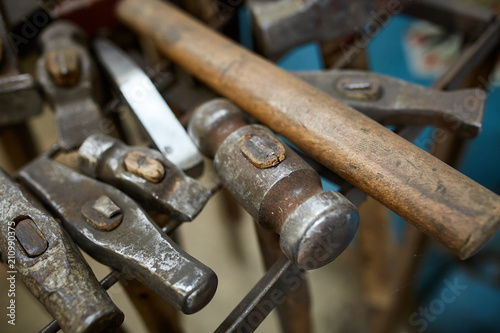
pixel 67 75
pixel 279 189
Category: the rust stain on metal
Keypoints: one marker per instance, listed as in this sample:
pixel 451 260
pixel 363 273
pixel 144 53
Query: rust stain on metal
pixel 144 166
pixel 64 66
pixel 31 238
pixel 262 150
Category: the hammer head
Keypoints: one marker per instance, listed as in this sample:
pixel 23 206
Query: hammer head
pixel 274 185
pixel 113 229
pixel 144 174
pixel 50 264
pixel 67 74
pixel 281 25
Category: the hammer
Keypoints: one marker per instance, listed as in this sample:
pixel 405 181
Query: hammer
pixel 66 73
pixel 440 201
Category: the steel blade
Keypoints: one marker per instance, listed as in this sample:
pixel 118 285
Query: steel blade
pixel 148 105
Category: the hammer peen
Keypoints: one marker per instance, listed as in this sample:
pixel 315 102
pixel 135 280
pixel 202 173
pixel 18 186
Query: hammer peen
pixel 277 187
pixel 440 201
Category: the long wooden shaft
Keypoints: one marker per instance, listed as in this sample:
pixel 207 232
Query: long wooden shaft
pixel 437 199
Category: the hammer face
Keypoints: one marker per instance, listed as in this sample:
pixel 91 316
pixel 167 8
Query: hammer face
pixel 50 265
pixel 319 230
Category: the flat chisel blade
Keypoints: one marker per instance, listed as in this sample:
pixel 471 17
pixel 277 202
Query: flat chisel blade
pixel 153 112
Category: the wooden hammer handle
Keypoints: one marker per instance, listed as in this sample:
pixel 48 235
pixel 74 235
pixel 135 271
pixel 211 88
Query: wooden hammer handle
pixel 437 199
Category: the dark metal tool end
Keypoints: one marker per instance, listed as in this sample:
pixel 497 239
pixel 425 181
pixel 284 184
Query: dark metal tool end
pixel 67 74
pixel 201 293
pixel 392 101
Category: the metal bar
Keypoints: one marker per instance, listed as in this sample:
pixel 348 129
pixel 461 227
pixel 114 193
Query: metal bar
pixel 263 298
pixel 148 105
pixel 295 311
pixel 470 58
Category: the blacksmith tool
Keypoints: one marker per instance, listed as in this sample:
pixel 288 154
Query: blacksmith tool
pixel 151 110
pixel 440 201
pixel 113 229
pixel 37 250
pixel 145 175
pixel 278 188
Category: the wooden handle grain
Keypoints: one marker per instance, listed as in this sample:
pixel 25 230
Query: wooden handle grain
pixel 437 199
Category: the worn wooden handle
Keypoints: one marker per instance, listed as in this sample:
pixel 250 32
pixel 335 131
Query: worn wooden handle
pixel 440 201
